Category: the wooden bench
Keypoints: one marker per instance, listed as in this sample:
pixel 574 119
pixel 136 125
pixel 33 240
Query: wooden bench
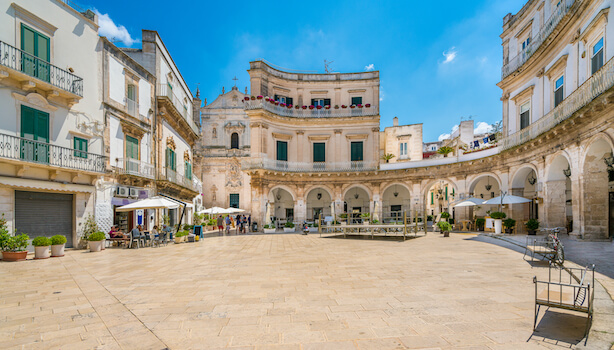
pixel 573 290
pixel 549 248
pixel 119 240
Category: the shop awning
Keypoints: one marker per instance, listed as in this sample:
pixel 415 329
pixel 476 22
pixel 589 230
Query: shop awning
pixel 44 185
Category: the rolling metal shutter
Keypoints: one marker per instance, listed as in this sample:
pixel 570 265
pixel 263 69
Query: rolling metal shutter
pixel 44 214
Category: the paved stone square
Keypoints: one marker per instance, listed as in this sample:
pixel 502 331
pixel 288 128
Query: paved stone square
pixel 282 291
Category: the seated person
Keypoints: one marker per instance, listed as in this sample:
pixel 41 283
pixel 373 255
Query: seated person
pixel 136 232
pixel 115 233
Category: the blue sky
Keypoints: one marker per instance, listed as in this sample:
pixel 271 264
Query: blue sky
pixel 437 64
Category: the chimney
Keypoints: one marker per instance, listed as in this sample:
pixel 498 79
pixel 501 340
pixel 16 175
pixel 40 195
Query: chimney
pixel 395 121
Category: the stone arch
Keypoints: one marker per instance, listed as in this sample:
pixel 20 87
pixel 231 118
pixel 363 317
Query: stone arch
pixel 554 169
pixel 434 207
pixel 393 207
pixel 316 206
pixel 283 207
pixel 520 175
pixel 351 186
pixel 557 191
pixel 283 187
pixel 327 188
pixel 591 142
pixel 398 183
pixel 426 186
pixel 476 179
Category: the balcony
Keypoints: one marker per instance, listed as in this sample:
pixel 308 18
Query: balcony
pixel 133 108
pixel 134 167
pixel 262 162
pixel 537 41
pixel 310 113
pixel 594 86
pixel 23 67
pixel 166 92
pixel 25 150
pixel 170 175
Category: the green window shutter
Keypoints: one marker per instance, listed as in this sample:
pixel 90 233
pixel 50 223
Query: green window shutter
pixel 188 170
pixel 356 151
pixel 446 192
pixel 282 150
pixel 167 162
pixel 234 200
pixel 28 116
pixel 288 100
pixel 36 45
pixel 132 147
pixel 327 101
pixel 313 101
pixel 432 198
pixel 80 146
pixel 173 160
pixel 319 152
pixel 357 100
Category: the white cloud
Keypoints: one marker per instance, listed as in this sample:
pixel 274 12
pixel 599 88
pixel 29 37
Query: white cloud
pixel 443 137
pixel 454 128
pixel 482 128
pixel 370 67
pixel 381 93
pixel 113 32
pixel 450 55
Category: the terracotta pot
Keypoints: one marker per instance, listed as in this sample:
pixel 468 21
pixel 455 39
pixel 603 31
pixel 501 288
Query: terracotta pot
pixel 14 256
pixel 95 246
pixel 57 250
pixel 41 252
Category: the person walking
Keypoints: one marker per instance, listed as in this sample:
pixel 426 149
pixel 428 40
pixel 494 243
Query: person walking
pixel 249 223
pixel 228 224
pixel 240 223
pixel 220 224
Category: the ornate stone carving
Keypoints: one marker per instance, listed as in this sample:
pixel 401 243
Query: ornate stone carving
pixel 170 143
pixel 233 174
pixel 213 193
pixel 186 155
pixel 232 127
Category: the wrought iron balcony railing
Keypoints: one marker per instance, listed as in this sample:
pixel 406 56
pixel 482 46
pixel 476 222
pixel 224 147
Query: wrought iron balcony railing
pixel 594 86
pixel 135 167
pixel 22 149
pixel 182 109
pixel 537 41
pixel 311 113
pixel 35 67
pixel 261 162
pixel 170 175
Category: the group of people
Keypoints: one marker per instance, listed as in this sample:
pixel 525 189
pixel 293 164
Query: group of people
pixel 242 223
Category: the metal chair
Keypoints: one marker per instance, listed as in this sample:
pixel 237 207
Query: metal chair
pixel 138 239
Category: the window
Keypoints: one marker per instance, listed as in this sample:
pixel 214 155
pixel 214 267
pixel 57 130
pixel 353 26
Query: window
pixel 35 134
pixel 525 113
pixel 319 152
pixel 36 46
pixel 283 99
pixel 234 141
pixel 356 151
pixel 558 91
pixel 234 200
pixel 171 159
pixel 356 100
pixel 597 56
pixel 320 102
pixel 132 147
pixel 80 146
pixel 188 170
pixel 525 43
pixel 395 211
pixel 131 92
pixel 403 149
pixel 282 151
pixel 432 198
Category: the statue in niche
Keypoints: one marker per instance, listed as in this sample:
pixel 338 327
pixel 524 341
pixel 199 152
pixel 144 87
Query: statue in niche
pixel 214 133
pixel 213 191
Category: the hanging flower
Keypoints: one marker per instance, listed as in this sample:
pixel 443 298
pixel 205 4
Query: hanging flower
pixel 282 104
pixel 327 107
pixel 253 97
pixel 353 106
pixel 311 107
pixel 359 106
pixel 246 98
pixel 289 106
pixel 297 107
pixel 277 103
pixel 259 97
pixel 304 107
pixel 267 99
pixel 344 106
pixel 319 107
pixel 368 105
pixel 336 106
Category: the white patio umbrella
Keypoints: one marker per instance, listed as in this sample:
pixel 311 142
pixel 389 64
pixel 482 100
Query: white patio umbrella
pixel 267 216
pixel 234 210
pixel 375 216
pixel 156 202
pixel 468 202
pixel 332 210
pixel 505 198
pixel 214 210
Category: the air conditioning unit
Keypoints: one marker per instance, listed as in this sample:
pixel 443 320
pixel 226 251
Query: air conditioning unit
pixel 134 192
pixel 122 191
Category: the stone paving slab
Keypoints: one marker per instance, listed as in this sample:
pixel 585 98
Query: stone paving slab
pixel 281 292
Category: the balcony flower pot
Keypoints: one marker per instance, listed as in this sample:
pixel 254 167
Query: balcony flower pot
pixel 41 247
pixel 297 107
pixel 311 107
pixel 14 256
pixel 277 103
pixel 259 97
pixel 304 107
pixel 336 106
pixel 359 106
pixel 253 97
pixel 327 107
pixel 246 98
pixel 368 105
pixel 353 106
pixel 267 99
pixel 289 106
pixel 344 106
pixel 282 104
pixel 319 107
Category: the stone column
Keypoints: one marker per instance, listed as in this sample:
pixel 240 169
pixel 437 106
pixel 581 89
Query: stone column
pixel 519 212
pixel 375 144
pixel 255 139
pixel 554 204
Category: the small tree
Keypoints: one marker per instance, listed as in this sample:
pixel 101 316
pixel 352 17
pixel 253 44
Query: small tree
pixel 387 157
pixel 89 226
pixel 445 150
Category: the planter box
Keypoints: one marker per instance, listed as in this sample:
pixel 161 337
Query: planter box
pixel 269 230
pixel 57 250
pixel 498 226
pixel 313 229
pixel 95 246
pixel 289 229
pixel 14 256
pixel 178 240
pixel 41 252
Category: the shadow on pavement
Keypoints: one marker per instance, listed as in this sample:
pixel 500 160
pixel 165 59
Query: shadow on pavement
pixel 560 328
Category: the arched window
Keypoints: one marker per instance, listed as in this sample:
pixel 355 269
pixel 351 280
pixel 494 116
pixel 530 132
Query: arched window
pixel 234 141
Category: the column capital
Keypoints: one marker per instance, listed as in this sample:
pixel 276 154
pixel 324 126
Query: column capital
pixel 338 131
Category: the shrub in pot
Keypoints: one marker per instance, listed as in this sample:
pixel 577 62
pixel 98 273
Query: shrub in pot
pixel 532 226
pixel 445 215
pixel 41 247
pixel 181 236
pixel 498 216
pixel 58 242
pixel 95 240
pixel 479 223
pixel 270 228
pixel 289 226
pixel 445 228
pixel 508 224
pixel 13 247
pixel 365 218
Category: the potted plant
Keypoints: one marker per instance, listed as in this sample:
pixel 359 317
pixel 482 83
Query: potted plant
pixel 211 224
pixel 387 157
pixel 313 227
pixel 13 247
pixel 259 97
pixel 498 216
pixel 445 228
pixel 532 226
pixel 289 226
pixel 365 218
pixel 95 241
pixel 58 242
pixel 344 106
pixel 368 105
pixel 41 247
pixel 479 224
pixel 508 224
pixel 445 150
pixel 181 236
pixel 445 215
pixel 270 228
pixel 336 106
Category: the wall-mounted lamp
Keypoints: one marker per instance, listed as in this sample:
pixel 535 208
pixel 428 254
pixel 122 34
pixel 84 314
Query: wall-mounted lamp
pixel 319 196
pixel 532 179
pixel 567 171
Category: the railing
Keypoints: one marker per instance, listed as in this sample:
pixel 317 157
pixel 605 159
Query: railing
pixel 22 149
pixel 133 107
pixel 594 86
pixel 22 61
pixel 135 167
pixel 170 175
pixel 164 90
pixel 311 113
pixel 271 164
pixel 529 50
